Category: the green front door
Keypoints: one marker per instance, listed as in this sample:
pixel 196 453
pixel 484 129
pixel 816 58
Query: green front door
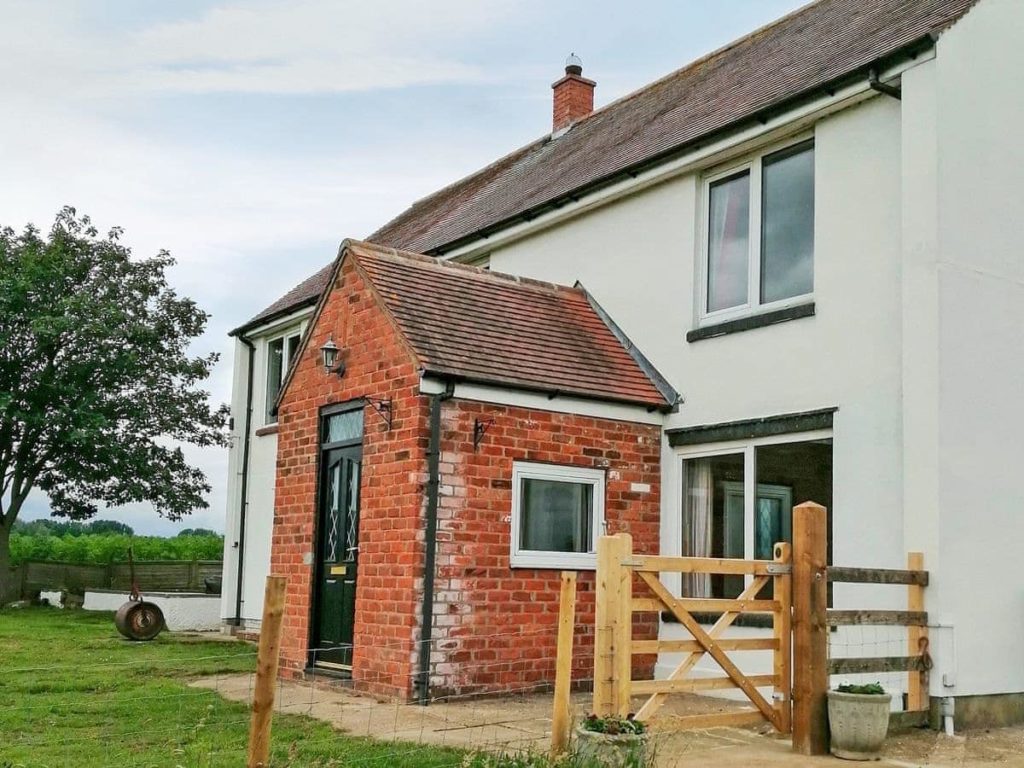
pixel 338 552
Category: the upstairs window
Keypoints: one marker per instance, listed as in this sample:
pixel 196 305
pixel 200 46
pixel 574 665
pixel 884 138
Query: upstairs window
pixel 759 244
pixel 280 354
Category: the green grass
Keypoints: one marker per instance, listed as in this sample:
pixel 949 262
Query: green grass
pixel 73 693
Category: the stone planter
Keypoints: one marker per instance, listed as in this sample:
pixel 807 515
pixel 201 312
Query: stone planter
pixel 858 722
pixel 628 750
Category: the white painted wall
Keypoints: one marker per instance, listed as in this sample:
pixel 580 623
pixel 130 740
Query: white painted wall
pixel 183 611
pixel 259 520
pixel 980 279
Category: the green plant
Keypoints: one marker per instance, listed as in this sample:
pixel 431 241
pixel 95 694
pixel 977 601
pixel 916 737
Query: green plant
pixel 871 689
pixel 613 725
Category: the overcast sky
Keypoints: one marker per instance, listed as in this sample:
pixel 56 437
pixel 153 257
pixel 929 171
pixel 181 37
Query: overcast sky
pixel 250 138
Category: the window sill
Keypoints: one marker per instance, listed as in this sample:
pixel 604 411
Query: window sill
pixel 269 429
pixel 541 563
pixel 750 322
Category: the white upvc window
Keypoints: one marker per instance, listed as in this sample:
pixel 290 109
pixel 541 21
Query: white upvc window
pixel 557 515
pixel 757 242
pixel 281 352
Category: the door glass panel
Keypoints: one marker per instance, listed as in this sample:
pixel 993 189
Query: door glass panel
pixel 333 512
pixel 772 519
pixel 352 516
pixel 345 426
pixel 713 520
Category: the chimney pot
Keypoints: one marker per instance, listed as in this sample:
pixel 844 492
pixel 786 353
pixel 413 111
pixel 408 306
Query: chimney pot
pixel 573 95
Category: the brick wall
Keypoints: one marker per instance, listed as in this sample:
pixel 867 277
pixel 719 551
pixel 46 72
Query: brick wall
pixel 495 626
pixel 391 538
pixel 573 98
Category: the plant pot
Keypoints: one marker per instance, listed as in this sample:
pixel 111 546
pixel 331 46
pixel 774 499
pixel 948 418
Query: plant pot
pixel 625 750
pixel 858 722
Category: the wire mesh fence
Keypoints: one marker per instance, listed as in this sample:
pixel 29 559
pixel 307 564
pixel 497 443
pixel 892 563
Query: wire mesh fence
pixel 92 699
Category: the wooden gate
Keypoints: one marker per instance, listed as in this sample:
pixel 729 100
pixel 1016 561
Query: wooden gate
pixel 628 584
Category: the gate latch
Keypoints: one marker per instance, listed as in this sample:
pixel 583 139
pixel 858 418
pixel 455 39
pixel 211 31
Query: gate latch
pixel 778 569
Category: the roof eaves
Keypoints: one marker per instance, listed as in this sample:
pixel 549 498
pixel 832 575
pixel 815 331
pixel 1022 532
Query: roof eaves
pixel 256 322
pixel 672 397
pixel 444 374
pixel 910 50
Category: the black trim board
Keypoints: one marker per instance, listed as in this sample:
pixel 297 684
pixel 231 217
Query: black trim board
pixel 751 321
pixel 767 426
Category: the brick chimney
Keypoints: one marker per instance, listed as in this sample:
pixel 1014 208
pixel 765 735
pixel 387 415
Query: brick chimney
pixel 574 95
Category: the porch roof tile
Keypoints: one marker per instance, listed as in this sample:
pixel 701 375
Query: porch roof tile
pixel 478 326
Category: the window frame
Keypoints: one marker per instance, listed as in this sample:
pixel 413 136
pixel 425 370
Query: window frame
pixel 747 447
pixel 753 164
pixel 527 558
pixel 284 337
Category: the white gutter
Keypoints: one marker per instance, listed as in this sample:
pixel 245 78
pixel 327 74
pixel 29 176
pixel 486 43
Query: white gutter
pixel 794 121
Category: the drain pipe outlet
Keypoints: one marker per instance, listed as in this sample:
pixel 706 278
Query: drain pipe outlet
pixel 430 544
pixel 948 707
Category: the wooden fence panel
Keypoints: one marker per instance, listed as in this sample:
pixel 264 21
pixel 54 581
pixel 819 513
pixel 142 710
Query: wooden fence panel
pixel 153 576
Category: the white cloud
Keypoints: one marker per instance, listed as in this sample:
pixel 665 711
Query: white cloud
pixel 310 46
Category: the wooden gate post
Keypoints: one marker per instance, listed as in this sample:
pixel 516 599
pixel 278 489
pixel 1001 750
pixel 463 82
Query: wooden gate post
pixel 917 639
pixel 561 716
pixel 782 590
pixel 613 626
pixel 266 672
pixel 810 629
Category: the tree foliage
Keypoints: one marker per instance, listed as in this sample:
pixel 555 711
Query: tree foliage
pixel 49 527
pixel 98 390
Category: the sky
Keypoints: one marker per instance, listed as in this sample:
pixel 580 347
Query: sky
pixel 250 138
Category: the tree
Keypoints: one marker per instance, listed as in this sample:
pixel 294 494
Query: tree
pixel 108 526
pixel 98 390
pixel 196 532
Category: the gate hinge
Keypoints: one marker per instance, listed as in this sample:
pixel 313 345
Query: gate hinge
pixel 778 569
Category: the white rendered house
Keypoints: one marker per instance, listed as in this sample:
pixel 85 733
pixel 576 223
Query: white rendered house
pixel 815 235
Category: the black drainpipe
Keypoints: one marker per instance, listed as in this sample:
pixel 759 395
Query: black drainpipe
pixel 244 503
pixel 430 555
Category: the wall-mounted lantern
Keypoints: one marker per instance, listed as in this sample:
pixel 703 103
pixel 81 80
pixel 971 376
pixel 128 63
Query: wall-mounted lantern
pixel 329 351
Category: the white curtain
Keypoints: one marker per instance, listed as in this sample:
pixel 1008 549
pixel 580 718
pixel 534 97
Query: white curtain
pixel 698 490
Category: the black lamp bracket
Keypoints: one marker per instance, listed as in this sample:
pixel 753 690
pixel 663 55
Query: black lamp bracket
pixel 480 427
pixel 383 409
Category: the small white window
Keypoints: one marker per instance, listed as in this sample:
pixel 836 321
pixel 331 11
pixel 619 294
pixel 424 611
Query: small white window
pixel 759 234
pixel 557 514
pixel 280 354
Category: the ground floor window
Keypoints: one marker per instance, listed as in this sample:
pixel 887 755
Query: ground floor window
pixel 557 513
pixel 737 502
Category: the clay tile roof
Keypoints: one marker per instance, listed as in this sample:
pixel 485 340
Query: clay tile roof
pixel 802 54
pixel 477 326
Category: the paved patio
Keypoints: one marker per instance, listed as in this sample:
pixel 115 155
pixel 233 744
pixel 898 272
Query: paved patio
pixel 523 722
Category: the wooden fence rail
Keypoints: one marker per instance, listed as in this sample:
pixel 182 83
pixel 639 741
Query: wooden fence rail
pixel 619 571
pixel 917 663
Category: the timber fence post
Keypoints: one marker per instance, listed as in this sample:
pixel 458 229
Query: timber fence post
pixel 267 659
pixel 810 629
pixel 561 716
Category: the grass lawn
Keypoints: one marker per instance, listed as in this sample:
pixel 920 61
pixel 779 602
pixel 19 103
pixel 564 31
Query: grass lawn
pixel 73 693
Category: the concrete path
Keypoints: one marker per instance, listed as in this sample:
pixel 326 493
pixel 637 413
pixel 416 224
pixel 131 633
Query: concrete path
pixel 516 723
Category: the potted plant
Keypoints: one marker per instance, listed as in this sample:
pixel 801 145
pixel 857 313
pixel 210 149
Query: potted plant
pixel 858 717
pixel 612 742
